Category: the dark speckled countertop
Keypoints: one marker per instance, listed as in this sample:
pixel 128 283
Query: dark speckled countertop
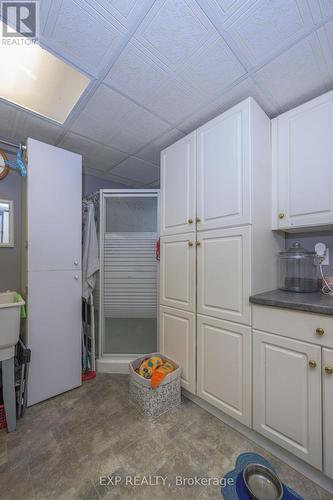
pixel 314 302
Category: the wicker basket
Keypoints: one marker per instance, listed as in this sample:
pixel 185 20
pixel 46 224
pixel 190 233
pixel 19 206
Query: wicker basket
pixel 152 403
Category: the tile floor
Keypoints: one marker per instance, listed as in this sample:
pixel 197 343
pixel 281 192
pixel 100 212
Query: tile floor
pixel 63 446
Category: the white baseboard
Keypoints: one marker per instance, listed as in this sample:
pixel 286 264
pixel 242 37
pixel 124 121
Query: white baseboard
pixel 112 365
pixel 307 470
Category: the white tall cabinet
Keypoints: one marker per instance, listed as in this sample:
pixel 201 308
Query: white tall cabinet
pixel 52 269
pixel 217 248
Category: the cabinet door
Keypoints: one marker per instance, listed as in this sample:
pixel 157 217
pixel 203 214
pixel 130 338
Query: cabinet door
pixel 224 272
pixel 223 170
pixel 54 182
pixel 224 366
pixel 304 165
pixel 177 271
pixel 328 411
pixel 177 202
pixel 287 395
pixel 178 339
pixel 54 333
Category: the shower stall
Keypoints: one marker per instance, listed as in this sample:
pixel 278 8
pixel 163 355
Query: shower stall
pixel 126 293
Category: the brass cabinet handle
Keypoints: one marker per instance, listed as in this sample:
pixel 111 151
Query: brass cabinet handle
pixel 190 221
pixel 190 243
pixel 281 215
pixel 320 331
pixel 329 370
pixel 197 219
pixel 312 363
pixel 197 243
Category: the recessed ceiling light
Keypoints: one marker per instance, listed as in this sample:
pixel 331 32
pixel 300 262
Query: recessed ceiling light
pixel 35 79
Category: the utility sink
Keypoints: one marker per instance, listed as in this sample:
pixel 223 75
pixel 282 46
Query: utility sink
pixel 10 308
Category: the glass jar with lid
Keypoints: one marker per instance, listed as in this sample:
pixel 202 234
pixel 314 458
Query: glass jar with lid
pixel 298 270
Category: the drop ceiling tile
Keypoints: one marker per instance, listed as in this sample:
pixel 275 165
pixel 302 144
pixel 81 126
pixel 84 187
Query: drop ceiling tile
pixel 220 10
pixel 321 9
pixel 174 30
pixel 151 152
pixel 135 74
pixel 95 155
pixel 100 118
pixel 213 69
pixel 137 170
pixel 268 26
pixel 125 12
pixel 297 75
pixel 81 35
pixel 247 88
pixel 7 119
pixel 29 125
pixel 325 35
pixel 174 101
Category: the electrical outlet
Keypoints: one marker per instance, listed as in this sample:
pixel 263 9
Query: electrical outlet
pixel 326 261
pixel 322 250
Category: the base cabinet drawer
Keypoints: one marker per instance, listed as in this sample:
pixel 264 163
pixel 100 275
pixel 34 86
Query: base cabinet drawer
pixel 224 366
pixel 328 411
pixel 287 406
pixel 177 333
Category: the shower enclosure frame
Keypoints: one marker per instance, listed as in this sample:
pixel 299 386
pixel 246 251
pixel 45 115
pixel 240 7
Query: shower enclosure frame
pixel 106 362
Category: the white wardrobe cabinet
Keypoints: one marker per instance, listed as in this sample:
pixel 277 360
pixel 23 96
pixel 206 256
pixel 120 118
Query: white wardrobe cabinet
pixel 51 269
pixel 177 271
pixel 178 342
pixel 328 411
pixel 224 273
pixel 287 394
pixel 224 169
pixel 178 164
pixel 303 166
pixel 224 366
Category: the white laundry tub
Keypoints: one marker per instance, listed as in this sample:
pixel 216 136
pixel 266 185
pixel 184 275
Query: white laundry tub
pixel 9 324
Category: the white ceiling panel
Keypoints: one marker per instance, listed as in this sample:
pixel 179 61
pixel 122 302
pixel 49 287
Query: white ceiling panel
pixel 28 125
pixel 325 35
pixel 220 10
pixel 7 120
pixel 297 75
pixel 136 75
pixel 212 69
pixel 138 170
pixel 267 26
pixel 125 12
pixel 321 9
pixel 81 35
pixel 233 96
pixel 95 155
pixel 174 30
pixel 151 152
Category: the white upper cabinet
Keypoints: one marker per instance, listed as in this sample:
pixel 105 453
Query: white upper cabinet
pixel 54 180
pixel 178 186
pixel 223 169
pixel 303 166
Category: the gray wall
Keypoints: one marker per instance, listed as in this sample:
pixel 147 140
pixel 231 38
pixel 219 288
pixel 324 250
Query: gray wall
pixel 308 241
pixel 92 184
pixel 10 258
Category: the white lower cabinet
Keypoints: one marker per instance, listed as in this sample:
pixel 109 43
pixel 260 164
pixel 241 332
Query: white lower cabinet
pixel 287 406
pixel 328 411
pixel 224 366
pixel 177 334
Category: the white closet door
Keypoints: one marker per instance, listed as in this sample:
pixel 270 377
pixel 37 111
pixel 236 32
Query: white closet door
pixel 223 169
pixel 177 331
pixel 54 181
pixel 54 333
pixel 178 187
pixel 224 366
pixel 305 164
pixel 287 395
pixel 328 411
pixel 224 274
pixel 177 271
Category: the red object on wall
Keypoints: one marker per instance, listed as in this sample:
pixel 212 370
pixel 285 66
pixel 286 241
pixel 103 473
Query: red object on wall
pixel 3 422
pixel 158 249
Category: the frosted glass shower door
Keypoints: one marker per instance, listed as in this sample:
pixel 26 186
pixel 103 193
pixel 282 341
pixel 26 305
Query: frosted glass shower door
pixel 130 275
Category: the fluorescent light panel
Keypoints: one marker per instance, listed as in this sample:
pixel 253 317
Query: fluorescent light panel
pixel 35 79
